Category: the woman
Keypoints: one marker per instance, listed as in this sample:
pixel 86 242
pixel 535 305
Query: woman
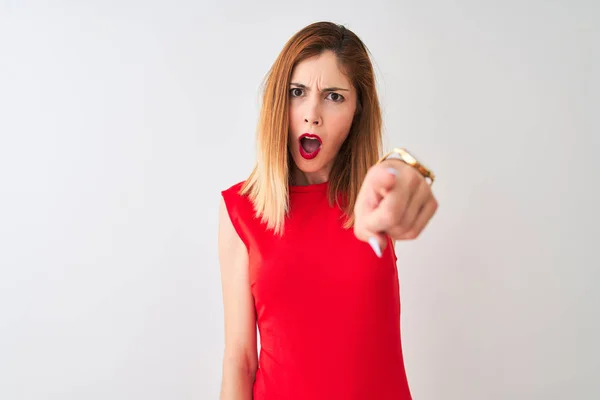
pixel 306 242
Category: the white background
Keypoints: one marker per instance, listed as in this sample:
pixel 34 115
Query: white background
pixel 120 122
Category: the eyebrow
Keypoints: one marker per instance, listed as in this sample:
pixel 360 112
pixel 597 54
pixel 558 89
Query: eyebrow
pixel 329 89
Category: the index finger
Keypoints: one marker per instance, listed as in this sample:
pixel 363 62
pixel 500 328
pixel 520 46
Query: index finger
pixel 378 182
pixel 389 210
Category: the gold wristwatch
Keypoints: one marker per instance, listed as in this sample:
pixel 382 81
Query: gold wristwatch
pixel 404 156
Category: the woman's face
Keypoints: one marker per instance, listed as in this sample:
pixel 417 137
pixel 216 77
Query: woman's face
pixel 322 106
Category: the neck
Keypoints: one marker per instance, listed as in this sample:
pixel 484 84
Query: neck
pixel 300 178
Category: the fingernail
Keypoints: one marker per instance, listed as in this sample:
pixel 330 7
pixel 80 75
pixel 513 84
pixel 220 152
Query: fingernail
pixel 392 171
pixel 375 246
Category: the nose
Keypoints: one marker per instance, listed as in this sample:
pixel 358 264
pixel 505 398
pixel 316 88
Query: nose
pixel 312 114
pixel 313 121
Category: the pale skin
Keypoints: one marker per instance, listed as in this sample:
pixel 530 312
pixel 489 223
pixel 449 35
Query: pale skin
pixel 394 200
pixel 240 359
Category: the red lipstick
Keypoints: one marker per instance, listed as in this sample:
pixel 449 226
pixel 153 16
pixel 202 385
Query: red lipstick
pixel 309 145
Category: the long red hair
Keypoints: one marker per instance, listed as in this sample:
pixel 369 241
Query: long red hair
pixel 267 185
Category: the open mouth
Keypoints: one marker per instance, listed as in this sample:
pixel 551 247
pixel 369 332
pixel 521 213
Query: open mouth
pixel 310 145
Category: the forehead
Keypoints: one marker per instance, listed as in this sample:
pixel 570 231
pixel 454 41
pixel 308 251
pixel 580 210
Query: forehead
pixel 321 70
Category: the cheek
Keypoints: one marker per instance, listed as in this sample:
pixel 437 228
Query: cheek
pixel 294 126
pixel 340 126
pixel 294 114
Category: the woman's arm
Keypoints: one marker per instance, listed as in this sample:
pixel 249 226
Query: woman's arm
pixel 240 360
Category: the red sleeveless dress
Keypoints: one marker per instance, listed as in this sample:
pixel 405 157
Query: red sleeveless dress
pixel 328 309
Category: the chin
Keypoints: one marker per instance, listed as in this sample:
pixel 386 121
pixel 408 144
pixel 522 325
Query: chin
pixel 308 166
pixel 309 169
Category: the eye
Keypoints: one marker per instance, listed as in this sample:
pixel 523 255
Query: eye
pixel 296 92
pixel 336 97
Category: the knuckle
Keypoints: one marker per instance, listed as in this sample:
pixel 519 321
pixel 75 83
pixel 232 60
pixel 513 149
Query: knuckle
pixel 397 233
pixel 415 180
pixel 404 225
pixel 412 234
pixel 402 219
pixel 387 217
pixel 422 184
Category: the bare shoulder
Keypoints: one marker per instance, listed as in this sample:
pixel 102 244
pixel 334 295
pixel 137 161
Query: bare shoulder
pixel 231 247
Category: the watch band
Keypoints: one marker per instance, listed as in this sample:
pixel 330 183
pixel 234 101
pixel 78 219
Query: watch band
pixel 404 156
